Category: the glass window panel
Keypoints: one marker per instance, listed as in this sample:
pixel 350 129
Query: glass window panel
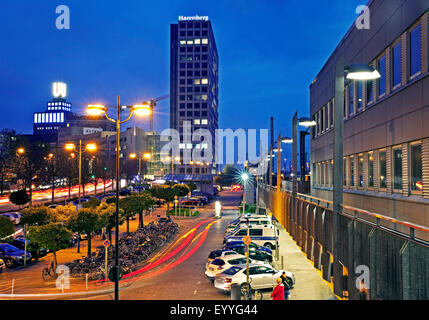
pixel 397 169
pixel 359 100
pixel 369 91
pixel 352 171
pixel 383 169
pixel 360 159
pixel 416 168
pixel 396 64
pixel 415 50
pixel 371 170
pixel 351 98
pixel 382 80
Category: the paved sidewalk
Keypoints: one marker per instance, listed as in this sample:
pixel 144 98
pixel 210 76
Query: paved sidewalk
pixel 309 283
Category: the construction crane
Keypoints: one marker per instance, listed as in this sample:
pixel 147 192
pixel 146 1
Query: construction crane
pixel 152 104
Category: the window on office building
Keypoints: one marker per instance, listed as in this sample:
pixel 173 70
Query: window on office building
pixel 360 169
pixel 370 170
pixel 415 51
pixel 352 171
pixel 397 169
pixel 359 97
pixel 327 117
pixel 382 79
pixel 416 168
pixel 322 120
pixel 383 169
pixel 396 65
pixel 344 171
pixel 331 113
pixel 369 91
pixel 351 98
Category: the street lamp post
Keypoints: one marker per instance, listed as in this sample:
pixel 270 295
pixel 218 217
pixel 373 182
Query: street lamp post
pixel 354 72
pixel 80 150
pixel 98 110
pixel 142 157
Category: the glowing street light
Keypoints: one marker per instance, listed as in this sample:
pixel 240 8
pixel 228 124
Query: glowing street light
pixel 97 110
pixel 21 150
pixel 80 150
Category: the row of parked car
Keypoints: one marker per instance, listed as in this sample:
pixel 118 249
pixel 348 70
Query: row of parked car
pixel 228 265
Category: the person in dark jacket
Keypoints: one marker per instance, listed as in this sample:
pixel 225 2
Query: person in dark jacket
pixel 287 285
pixel 278 292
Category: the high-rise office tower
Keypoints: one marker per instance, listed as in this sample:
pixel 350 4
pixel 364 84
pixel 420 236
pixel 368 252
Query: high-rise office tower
pixel 194 74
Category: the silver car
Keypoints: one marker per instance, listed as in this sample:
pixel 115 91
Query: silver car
pixel 260 276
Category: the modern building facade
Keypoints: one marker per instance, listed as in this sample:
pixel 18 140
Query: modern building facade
pixel 386 136
pixel 58 115
pixel 194 89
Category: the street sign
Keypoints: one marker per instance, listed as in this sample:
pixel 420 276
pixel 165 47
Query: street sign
pixel 107 243
pixel 247 240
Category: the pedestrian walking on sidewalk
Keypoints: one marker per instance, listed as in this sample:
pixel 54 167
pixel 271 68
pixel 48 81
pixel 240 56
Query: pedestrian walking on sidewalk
pixel 278 292
pixel 286 284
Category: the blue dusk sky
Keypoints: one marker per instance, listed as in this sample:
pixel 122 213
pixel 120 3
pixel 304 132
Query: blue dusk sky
pixel 269 53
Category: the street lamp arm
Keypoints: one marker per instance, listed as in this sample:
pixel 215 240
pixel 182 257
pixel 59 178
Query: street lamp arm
pixel 128 118
pixel 108 118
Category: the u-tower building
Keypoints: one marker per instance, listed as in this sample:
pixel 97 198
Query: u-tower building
pixel 386 123
pixel 194 88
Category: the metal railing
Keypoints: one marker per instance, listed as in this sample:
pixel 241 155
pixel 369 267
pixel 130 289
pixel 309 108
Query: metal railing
pixel 397 261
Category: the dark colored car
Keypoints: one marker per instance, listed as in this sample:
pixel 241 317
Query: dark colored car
pixel 12 256
pixel 235 243
pixel 124 192
pixel 190 203
pixel 254 254
pixel 20 244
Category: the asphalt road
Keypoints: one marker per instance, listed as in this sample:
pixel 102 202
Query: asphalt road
pixel 185 281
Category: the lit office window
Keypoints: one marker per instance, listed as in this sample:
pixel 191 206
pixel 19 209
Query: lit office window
pixel 39 118
pixel 360 168
pixel 370 170
pixel 62 117
pixel 352 171
pixel 204 81
pixel 382 80
pixel 415 51
pixel 190 42
pixel 204 97
pixel 396 65
pixel 35 118
pixel 351 98
pixel 54 117
pixel 197 81
pixel 397 169
pixel 43 118
pixel 204 121
pixel 416 168
pixel 331 113
pixel 182 41
pixel 197 121
pixel 197 41
pixel 205 41
pixel 383 169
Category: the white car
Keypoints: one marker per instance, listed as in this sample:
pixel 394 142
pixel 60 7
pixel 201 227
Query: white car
pixel 221 264
pixel 261 277
pixel 219 254
pixel 15 217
